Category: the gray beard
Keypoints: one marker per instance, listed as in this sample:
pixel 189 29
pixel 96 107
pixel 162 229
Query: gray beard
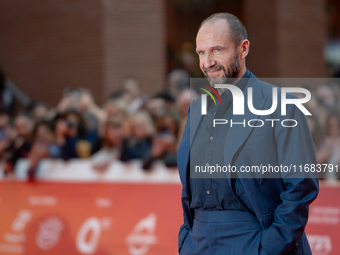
pixel 222 80
pixel 230 78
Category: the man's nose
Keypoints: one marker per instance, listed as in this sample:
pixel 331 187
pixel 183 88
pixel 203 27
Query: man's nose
pixel 209 62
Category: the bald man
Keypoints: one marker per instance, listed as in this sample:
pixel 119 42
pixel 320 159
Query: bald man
pixel 242 214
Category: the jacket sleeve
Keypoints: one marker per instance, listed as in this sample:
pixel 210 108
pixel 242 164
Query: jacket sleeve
pixel 185 144
pixel 294 147
pixel 183 232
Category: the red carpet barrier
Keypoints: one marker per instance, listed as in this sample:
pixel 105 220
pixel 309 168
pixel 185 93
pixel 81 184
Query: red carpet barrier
pixel 118 215
pixel 89 218
pixel 323 228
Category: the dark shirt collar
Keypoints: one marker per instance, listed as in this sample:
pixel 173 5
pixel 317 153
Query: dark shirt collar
pixel 227 96
pixel 241 83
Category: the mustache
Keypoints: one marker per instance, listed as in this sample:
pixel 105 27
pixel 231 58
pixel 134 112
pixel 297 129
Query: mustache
pixel 216 67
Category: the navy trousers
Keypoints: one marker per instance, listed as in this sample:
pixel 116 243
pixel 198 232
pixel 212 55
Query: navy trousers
pixel 228 232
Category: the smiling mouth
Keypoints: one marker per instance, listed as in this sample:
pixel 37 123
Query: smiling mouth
pixel 214 71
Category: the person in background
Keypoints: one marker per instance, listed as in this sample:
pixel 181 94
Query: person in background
pixel 43 146
pixel 164 144
pixel 70 135
pixel 138 131
pixel 132 91
pixel 315 130
pixel 110 145
pixel 94 116
pixel 168 98
pixel 178 80
pixel 21 145
pixel 156 107
pixel 69 101
pixel 182 105
pixel 39 111
pixel 7 131
pixel 115 108
pixel 329 152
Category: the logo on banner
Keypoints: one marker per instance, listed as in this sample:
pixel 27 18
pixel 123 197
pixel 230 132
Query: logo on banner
pixel 21 220
pixel 320 244
pixel 142 236
pixel 49 232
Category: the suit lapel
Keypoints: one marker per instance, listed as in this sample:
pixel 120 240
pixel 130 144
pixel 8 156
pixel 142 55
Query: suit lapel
pixel 195 119
pixel 237 134
pixel 183 153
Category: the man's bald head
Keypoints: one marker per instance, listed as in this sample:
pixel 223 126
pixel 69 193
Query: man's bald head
pixel 237 30
pixel 222 46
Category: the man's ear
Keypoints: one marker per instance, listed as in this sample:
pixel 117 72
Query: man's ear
pixel 244 46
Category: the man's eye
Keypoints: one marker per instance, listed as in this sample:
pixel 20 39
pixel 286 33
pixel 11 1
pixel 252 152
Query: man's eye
pixel 201 53
pixel 217 50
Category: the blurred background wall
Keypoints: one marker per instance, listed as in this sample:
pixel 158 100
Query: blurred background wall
pixel 49 45
pixel 46 46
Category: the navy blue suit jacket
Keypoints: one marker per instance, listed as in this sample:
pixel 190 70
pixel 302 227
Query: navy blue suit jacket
pixel 280 204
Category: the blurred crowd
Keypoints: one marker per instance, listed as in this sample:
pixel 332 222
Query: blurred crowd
pixel 324 125
pixel 129 125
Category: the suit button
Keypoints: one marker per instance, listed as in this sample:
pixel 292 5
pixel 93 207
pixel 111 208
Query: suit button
pixel 295 249
pixel 185 198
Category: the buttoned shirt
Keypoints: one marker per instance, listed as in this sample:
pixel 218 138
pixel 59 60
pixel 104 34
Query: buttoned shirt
pixel 208 150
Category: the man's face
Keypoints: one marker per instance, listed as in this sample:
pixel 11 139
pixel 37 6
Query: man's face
pixel 218 55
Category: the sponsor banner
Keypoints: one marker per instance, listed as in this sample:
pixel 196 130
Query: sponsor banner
pixel 124 215
pixel 323 228
pixel 89 218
